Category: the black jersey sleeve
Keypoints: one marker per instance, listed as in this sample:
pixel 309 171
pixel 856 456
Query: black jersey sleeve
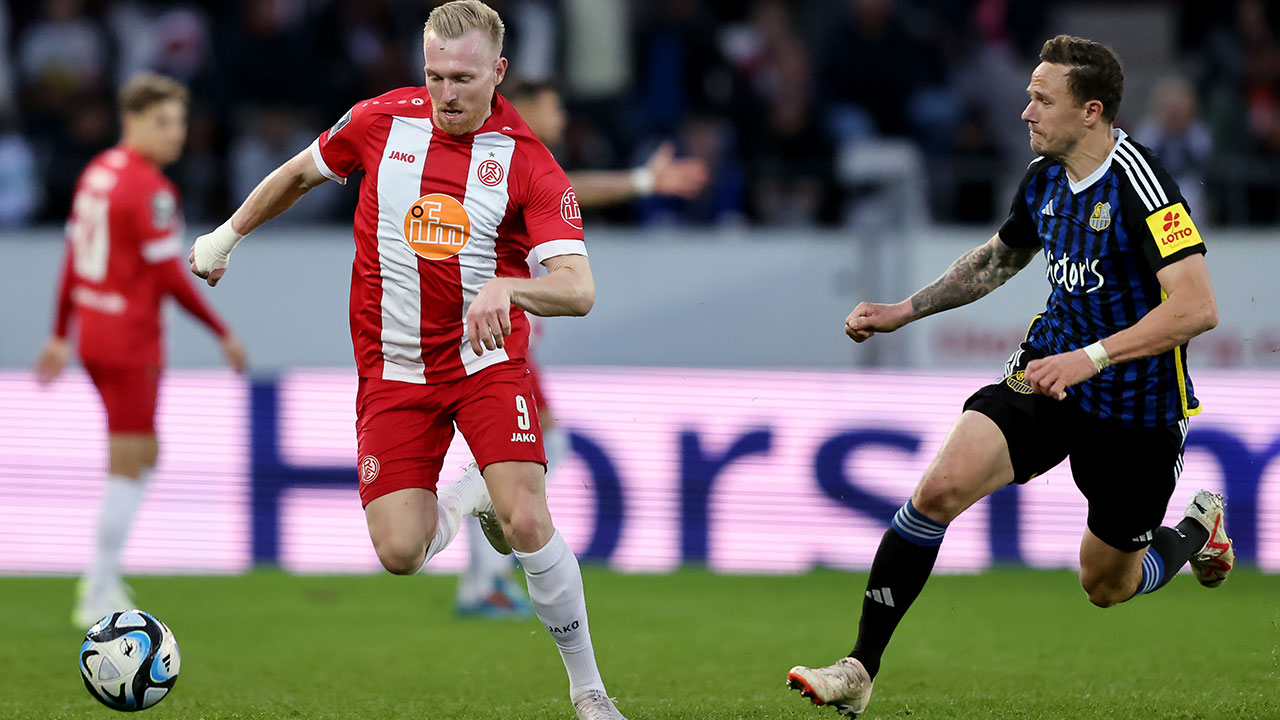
pixel 1019 229
pixel 1152 208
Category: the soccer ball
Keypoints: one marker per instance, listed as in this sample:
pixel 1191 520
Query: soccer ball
pixel 129 660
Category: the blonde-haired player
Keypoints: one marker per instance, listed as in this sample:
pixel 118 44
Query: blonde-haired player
pixel 457 194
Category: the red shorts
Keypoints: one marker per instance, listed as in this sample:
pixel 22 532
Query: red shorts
pixel 403 429
pixel 129 394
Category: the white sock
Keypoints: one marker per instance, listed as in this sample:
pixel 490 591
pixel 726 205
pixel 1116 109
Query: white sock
pixel 555 588
pixel 448 519
pixel 119 505
pixel 485 566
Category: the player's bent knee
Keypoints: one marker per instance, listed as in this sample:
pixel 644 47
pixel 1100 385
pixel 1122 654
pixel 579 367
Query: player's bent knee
pixel 1103 592
pixel 940 498
pixel 527 527
pixel 400 556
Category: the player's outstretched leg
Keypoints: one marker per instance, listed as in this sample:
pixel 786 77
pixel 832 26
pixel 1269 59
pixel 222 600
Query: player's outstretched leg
pixel 131 459
pixel 102 590
pixel 972 463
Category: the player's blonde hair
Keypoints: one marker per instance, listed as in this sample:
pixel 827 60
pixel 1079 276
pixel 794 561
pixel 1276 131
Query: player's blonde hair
pixel 459 17
pixel 145 89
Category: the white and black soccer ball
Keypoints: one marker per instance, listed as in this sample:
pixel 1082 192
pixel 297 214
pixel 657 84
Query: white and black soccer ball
pixel 129 660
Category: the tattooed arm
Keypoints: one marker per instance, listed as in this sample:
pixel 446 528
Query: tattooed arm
pixel 970 277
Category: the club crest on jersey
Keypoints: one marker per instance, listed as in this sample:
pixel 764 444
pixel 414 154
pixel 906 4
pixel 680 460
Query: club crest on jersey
pixel 1101 218
pixel 1018 382
pixel 369 468
pixel 437 226
pixel 490 172
pixel 569 210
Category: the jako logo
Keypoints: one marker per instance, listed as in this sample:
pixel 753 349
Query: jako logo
pixel 523 437
pixel 561 630
pixel 397 155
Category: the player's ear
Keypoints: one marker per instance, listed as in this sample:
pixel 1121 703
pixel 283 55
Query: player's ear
pixel 500 70
pixel 1092 112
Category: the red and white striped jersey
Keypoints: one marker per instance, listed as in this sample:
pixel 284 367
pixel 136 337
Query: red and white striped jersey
pixel 124 246
pixel 439 215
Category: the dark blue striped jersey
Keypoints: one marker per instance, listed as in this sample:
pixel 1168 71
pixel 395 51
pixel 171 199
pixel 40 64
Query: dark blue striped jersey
pixel 1104 239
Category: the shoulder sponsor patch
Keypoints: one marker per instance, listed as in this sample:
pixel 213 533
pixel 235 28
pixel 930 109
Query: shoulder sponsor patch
pixel 163 208
pixel 1173 229
pixel 342 122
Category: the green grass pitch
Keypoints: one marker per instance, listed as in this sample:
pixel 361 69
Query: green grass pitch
pixel 1005 644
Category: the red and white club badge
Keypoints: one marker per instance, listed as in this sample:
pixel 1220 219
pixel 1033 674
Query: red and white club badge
pixel 490 172
pixel 368 469
pixel 569 210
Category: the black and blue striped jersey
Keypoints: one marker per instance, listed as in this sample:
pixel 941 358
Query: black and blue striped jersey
pixel 1104 238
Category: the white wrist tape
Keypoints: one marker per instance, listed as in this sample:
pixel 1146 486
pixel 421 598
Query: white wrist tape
pixel 643 181
pixel 1098 354
pixel 213 250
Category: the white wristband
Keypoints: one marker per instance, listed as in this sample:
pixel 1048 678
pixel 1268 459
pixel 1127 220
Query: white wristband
pixel 1098 354
pixel 643 181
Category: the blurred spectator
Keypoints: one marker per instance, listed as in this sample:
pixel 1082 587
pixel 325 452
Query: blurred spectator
pixel 19 192
pixel 6 68
pixel 788 155
pixel 272 136
pixel 88 128
pixel 63 54
pixel 772 94
pixel 1173 129
pixel 869 68
pixel 201 169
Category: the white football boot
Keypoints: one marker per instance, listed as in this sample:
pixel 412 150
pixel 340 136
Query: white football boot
pixel 94 603
pixel 1214 561
pixel 473 495
pixel 596 705
pixel 846 685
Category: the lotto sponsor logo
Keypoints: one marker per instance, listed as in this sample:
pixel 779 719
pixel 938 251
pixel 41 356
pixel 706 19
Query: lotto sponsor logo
pixel 437 226
pixel 490 172
pixel 369 468
pixel 569 210
pixel 1173 229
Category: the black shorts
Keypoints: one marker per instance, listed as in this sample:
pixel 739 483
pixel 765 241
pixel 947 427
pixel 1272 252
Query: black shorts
pixel 1126 473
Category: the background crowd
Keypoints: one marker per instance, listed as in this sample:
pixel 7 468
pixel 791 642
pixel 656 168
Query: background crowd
pixel 803 109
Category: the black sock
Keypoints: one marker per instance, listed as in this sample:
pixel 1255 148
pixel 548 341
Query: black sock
pixel 1175 546
pixel 898 574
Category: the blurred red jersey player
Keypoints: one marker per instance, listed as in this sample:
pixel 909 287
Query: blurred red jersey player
pixel 123 248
